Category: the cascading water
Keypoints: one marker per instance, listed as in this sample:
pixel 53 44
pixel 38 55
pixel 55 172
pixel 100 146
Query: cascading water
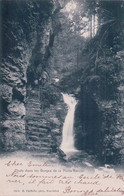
pixel 67 144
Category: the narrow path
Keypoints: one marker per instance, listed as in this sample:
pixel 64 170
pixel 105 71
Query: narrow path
pixel 38 133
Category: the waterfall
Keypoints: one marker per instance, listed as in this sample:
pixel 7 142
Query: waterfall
pixel 67 144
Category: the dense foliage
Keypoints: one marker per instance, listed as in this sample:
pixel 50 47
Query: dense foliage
pixel 100 95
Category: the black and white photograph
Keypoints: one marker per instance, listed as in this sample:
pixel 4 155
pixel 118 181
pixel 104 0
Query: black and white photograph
pixel 62 97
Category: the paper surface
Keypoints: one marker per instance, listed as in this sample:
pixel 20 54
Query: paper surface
pixel 26 50
pixel 26 176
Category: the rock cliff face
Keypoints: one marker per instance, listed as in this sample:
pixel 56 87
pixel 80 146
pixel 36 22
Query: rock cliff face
pixel 99 114
pixel 26 39
pixel 119 137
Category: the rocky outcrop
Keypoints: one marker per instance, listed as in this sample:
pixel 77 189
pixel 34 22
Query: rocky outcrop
pixel 119 137
pixel 99 113
pixel 26 30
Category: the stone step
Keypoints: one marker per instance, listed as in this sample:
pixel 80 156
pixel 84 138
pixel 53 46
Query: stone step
pixel 35 128
pixel 42 120
pixel 41 140
pixel 41 150
pixel 33 113
pixel 31 100
pixel 39 121
pixel 39 143
pixel 38 134
pixel 41 136
pixel 33 117
pixel 37 124
pixel 33 105
pixel 35 138
pixel 40 146
pixel 30 112
pixel 33 108
pixel 33 120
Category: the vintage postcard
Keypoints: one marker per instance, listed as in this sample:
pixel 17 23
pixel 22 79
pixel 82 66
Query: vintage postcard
pixel 62 98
